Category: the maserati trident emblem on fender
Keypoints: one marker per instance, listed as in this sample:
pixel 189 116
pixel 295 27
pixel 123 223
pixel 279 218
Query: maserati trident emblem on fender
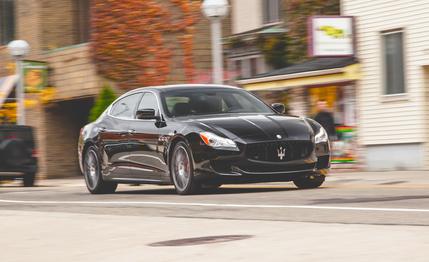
pixel 281 152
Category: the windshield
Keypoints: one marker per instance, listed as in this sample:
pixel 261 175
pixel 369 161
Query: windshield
pixel 184 102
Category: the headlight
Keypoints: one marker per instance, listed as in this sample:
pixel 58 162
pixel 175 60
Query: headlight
pixel 321 136
pixel 218 142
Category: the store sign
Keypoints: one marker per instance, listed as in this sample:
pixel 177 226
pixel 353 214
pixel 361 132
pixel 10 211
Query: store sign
pixel 35 76
pixel 331 36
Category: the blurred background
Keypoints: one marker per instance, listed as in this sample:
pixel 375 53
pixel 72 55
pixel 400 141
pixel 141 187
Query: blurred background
pixel 368 62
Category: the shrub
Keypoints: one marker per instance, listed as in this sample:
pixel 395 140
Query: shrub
pixel 104 99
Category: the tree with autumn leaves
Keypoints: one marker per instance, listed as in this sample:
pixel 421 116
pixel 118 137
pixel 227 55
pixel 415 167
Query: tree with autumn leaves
pixel 297 14
pixel 132 39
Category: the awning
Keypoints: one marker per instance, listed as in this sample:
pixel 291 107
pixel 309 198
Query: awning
pixel 318 71
pixel 6 86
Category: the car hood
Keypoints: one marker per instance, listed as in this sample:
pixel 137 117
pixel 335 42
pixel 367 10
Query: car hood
pixel 254 128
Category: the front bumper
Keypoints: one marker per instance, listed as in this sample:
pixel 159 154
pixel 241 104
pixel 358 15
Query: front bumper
pixel 227 167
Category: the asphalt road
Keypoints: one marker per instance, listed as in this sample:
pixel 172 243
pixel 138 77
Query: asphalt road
pixel 381 216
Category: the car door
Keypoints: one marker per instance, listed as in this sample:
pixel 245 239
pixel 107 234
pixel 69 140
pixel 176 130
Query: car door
pixel 114 136
pixel 145 140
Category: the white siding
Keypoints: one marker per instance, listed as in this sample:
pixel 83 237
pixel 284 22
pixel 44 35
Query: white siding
pixel 246 15
pixel 399 119
pixel 426 86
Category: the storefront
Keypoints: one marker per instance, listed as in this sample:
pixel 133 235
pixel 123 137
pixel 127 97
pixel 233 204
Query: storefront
pixel 7 112
pixel 301 86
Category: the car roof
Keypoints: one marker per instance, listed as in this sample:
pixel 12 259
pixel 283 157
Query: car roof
pixel 183 86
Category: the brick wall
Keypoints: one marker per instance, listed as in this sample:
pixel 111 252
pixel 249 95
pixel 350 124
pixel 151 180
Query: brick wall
pixel 27 28
pixel 63 122
pixel 49 28
pixel 35 117
pixel 72 73
pixel 5 59
pixel 57 23
pixel 28 25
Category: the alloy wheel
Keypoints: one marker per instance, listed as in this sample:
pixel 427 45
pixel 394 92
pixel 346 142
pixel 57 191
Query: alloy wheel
pixel 91 169
pixel 181 168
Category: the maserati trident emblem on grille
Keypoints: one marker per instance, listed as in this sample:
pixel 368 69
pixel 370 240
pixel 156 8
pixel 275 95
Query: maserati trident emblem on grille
pixel 281 152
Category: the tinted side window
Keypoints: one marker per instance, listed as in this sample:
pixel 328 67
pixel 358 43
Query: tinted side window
pixel 148 102
pixel 125 107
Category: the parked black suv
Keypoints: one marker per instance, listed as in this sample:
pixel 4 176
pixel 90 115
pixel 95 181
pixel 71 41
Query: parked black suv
pixel 17 153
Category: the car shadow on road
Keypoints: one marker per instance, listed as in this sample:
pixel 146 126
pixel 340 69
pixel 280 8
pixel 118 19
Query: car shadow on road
pixel 219 191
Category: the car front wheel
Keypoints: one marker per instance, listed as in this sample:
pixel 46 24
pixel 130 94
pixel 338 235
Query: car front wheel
pixel 309 181
pixel 92 173
pixel 182 170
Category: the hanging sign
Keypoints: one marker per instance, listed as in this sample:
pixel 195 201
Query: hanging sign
pixel 35 76
pixel 331 36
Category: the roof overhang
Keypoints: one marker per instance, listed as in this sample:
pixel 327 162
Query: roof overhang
pixel 310 78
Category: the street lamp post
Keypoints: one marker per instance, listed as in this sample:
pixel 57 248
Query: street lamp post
pixel 215 10
pixel 18 49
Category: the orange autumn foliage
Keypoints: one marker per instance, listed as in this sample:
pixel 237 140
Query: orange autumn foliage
pixel 132 40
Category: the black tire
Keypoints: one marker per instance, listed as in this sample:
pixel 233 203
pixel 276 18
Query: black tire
pixel 309 181
pixel 28 179
pixel 182 170
pixel 211 187
pixel 92 173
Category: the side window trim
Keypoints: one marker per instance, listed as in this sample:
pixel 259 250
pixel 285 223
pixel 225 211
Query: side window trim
pixel 121 98
pixel 141 98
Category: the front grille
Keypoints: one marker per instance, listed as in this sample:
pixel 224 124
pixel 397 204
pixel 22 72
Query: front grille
pixel 279 151
pixel 267 168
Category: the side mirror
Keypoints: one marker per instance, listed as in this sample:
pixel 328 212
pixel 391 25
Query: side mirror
pixel 279 107
pixel 147 114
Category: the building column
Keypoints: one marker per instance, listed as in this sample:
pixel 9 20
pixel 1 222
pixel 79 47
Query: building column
pixel 35 117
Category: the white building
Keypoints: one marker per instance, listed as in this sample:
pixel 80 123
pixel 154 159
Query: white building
pixel 393 92
pixel 250 19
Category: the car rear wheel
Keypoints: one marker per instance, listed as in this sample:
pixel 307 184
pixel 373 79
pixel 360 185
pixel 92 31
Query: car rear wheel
pixel 309 181
pixel 92 173
pixel 182 170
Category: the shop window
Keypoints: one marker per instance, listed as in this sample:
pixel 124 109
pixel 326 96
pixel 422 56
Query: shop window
pixel 247 67
pixel 271 11
pixel 253 66
pixel 238 68
pixel 394 75
pixel 7 21
pixel 82 23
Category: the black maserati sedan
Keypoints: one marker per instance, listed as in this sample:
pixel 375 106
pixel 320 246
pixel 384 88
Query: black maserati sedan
pixel 200 137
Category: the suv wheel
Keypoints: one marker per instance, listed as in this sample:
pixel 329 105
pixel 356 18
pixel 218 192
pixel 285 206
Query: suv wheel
pixel 28 180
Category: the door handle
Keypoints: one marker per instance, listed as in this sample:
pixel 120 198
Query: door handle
pixel 131 131
pixel 102 129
